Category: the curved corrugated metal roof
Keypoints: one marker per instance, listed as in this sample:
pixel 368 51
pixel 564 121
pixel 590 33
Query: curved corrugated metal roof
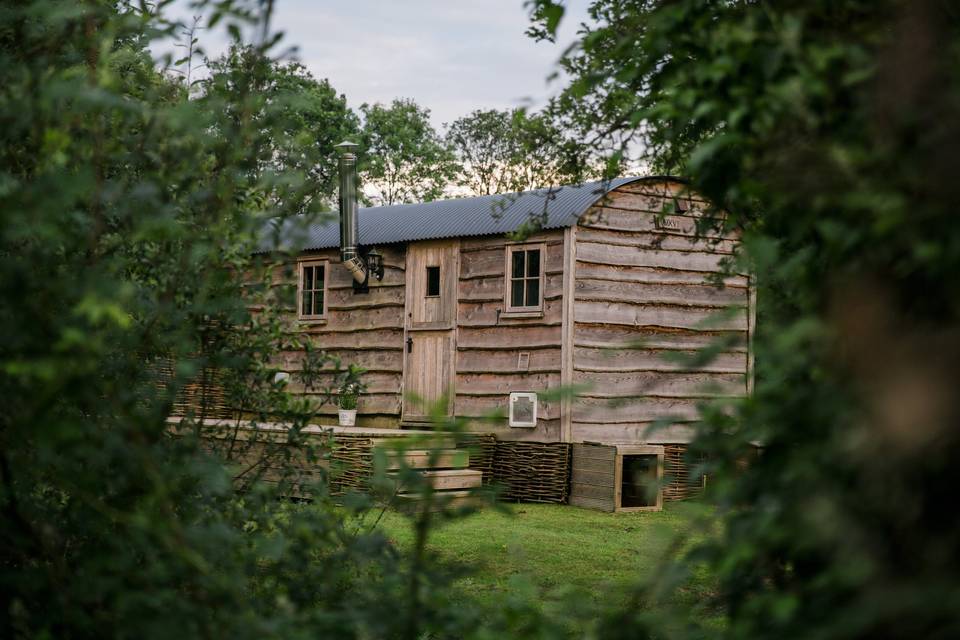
pixel 484 215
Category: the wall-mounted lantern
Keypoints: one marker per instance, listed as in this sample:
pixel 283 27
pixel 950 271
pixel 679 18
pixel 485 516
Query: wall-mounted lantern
pixel 375 263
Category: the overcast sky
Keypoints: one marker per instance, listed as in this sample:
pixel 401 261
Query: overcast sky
pixel 451 56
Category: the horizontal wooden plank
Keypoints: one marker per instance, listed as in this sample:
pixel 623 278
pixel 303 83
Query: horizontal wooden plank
pixel 593 465
pixel 604 336
pixel 371 360
pixel 425 459
pixel 363 319
pixel 591 503
pixel 594 452
pixel 599 478
pixel 487 314
pixel 537 361
pixel 656 240
pixel 600 253
pixel 453 479
pixel 643 293
pixel 377 382
pixel 653 275
pixel 482 243
pixel 481 384
pixel 585 490
pixel 633 410
pixel 321 338
pixel 545 431
pixel 491 288
pixel 490 262
pixel 512 337
pixel 648 220
pixel 347 299
pixel 631 432
pixel 660 187
pixel 626 360
pixel 388 403
pixel 485 406
pixel 638 315
pixel 663 384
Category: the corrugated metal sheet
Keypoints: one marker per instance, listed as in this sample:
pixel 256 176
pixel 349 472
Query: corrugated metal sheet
pixel 480 216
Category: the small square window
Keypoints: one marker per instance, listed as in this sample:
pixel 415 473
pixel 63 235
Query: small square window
pixel 525 279
pixel 433 281
pixel 312 290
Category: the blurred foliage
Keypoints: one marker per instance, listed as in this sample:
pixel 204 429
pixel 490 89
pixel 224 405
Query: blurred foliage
pixel 131 206
pixel 828 130
pixel 306 118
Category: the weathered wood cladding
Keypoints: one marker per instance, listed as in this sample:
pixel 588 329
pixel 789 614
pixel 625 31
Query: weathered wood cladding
pixel 490 342
pixel 629 296
pixel 645 301
pixel 361 329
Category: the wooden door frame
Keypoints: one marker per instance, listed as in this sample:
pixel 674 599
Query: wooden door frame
pixel 443 327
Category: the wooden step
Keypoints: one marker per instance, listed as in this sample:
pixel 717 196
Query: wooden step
pixel 448 499
pixel 430 441
pixel 442 479
pixel 426 459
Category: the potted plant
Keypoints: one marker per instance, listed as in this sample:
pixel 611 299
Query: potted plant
pixel 349 393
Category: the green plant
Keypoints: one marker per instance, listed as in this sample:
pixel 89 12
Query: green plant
pixel 351 386
pixel 131 207
pixel 820 130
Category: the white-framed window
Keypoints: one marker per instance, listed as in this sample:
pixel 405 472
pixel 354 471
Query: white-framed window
pixel 312 290
pixel 524 278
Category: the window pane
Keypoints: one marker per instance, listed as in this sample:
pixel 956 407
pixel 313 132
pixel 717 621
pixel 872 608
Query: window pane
pixel 318 279
pixel 533 263
pixel 305 304
pixel 318 303
pixel 516 293
pixel 533 292
pixel 307 278
pixel 433 281
pixel 518 264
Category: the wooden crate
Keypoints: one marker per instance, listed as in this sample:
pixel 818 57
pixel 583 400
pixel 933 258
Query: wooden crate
pixel 599 472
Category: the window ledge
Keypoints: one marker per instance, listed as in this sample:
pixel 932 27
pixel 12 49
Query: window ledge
pixel 519 315
pixel 312 320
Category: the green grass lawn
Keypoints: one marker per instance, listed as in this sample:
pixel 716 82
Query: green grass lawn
pixel 555 547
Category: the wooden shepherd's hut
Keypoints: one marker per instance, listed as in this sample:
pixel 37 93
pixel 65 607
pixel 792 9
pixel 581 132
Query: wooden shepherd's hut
pixel 613 293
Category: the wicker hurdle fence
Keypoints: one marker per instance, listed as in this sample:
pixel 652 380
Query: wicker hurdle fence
pixel 533 471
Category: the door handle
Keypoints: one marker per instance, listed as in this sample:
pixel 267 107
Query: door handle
pixel 409 345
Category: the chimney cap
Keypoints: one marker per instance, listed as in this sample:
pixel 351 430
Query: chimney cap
pixel 346 146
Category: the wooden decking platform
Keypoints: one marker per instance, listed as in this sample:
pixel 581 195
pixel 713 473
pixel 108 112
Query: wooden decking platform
pixel 433 455
pixel 318 429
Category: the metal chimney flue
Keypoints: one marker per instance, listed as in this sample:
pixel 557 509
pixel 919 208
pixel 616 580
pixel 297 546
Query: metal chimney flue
pixel 349 224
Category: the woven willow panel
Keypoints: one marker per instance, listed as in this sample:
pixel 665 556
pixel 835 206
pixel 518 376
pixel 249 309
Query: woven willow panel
pixel 533 471
pixel 682 483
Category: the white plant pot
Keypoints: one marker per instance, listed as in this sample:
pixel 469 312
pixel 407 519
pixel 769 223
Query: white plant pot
pixel 347 417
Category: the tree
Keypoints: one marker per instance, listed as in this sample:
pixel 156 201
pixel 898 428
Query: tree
pixel 306 118
pixel 827 130
pixel 507 151
pixel 129 217
pixel 404 159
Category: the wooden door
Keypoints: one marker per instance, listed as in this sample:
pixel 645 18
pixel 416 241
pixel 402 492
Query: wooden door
pixel 431 316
